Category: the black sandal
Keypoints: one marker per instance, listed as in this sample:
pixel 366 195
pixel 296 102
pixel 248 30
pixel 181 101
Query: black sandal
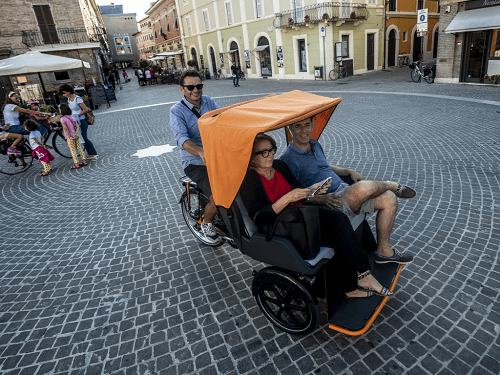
pixel 385 292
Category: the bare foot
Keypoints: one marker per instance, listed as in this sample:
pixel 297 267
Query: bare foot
pixel 357 294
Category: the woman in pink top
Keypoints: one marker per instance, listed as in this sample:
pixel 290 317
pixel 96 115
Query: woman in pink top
pixel 70 129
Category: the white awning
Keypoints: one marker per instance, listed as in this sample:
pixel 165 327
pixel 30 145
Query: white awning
pixel 259 49
pixel 65 47
pixel 36 62
pixel 230 51
pixel 476 19
pixel 169 54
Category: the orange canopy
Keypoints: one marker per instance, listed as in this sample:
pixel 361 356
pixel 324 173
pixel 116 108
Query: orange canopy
pixel 228 134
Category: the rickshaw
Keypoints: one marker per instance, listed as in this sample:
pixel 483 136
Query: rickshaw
pixel 289 289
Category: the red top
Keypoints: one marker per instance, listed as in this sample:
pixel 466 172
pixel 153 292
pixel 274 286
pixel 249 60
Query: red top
pixel 276 187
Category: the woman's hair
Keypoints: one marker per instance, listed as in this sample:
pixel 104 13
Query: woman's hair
pixel 64 109
pixel 66 88
pixel 188 73
pixel 8 98
pixel 31 125
pixel 259 138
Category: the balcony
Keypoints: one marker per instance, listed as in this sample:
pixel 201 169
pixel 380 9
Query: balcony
pixel 63 36
pixel 324 12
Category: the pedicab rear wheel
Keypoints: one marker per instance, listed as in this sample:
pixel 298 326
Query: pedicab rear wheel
pixel 285 302
pixel 193 207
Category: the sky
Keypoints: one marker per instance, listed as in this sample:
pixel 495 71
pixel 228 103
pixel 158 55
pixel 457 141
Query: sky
pixel 130 6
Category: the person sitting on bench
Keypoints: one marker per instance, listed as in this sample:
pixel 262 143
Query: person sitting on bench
pixel 269 187
pixel 307 161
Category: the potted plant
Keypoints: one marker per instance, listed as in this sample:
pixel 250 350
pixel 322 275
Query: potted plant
pixel 290 21
pixel 307 18
pixel 353 15
pixel 326 16
pixel 494 79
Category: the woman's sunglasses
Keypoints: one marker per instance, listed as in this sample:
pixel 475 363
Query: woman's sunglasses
pixel 265 153
pixel 191 87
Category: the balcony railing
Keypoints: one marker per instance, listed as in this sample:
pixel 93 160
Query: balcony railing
pixel 63 36
pixel 323 12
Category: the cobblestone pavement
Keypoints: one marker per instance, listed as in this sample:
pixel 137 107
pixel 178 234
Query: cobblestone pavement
pixel 99 274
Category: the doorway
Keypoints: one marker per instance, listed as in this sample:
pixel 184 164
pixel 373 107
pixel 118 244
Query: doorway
pixel 370 51
pixel 302 55
pixel 194 57
pixel 236 54
pixel 265 58
pixel 475 56
pixel 417 47
pixel 435 39
pixel 212 59
pixel 391 49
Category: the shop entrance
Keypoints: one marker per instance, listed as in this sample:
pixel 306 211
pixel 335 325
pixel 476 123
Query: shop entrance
pixel 475 55
pixel 391 49
pixel 265 58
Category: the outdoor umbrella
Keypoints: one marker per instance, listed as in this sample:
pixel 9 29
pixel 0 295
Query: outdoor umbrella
pixel 36 62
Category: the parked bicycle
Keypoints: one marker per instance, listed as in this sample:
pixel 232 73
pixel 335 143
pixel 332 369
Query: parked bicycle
pixel 242 76
pixel 13 164
pixel 417 72
pixel 338 72
pixel 218 74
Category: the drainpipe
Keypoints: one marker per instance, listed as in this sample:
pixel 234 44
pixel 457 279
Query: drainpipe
pixel 385 31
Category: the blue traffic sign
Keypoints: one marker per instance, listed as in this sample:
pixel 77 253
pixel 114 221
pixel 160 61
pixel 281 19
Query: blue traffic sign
pixel 422 17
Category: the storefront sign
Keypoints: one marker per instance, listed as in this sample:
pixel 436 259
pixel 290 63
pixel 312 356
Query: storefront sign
pixel 247 58
pixel 475 4
pixel 202 62
pixel 279 56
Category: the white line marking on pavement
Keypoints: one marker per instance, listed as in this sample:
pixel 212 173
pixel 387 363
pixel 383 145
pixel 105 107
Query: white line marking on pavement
pixel 154 151
pixel 480 101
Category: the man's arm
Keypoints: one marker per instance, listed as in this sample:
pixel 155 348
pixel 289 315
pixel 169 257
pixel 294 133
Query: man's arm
pixel 341 171
pixel 194 149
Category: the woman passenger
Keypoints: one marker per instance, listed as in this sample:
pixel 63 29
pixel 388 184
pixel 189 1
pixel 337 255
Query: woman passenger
pixel 269 186
pixel 11 111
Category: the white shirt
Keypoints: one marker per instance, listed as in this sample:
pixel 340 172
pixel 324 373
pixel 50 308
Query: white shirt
pixel 75 108
pixel 10 116
pixel 148 74
pixel 35 135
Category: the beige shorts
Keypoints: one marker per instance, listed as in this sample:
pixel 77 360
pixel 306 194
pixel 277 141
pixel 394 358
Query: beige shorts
pixel 366 207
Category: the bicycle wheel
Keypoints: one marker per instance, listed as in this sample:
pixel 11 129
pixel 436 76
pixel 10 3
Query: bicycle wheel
pixel 429 78
pixel 60 145
pixel 415 76
pixel 11 164
pixel 331 75
pixel 216 75
pixel 193 208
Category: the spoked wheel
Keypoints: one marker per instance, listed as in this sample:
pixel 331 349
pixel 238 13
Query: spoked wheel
pixel 429 78
pixel 415 77
pixel 216 75
pixel 193 208
pixel 331 75
pixel 285 302
pixel 61 145
pixel 11 164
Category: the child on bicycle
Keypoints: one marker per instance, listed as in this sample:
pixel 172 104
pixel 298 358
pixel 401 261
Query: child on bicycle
pixel 40 150
pixel 70 130
pixel 42 120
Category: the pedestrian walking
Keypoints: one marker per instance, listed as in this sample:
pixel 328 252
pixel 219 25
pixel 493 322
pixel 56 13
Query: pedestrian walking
pixel 79 109
pixel 40 150
pixel 235 69
pixel 70 130
pixel 111 80
pixel 125 76
pixel 117 76
pixel 140 77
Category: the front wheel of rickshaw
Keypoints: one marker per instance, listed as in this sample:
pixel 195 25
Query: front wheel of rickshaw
pixel 285 302
pixel 193 207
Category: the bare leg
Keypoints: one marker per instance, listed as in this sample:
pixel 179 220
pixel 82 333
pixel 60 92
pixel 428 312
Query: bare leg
pixel 357 194
pixel 16 137
pixel 210 211
pixel 386 204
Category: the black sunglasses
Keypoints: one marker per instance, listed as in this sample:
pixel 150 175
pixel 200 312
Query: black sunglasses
pixel 191 87
pixel 265 153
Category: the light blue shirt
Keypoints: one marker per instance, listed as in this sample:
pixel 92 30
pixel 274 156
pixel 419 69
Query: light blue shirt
pixel 184 124
pixel 310 167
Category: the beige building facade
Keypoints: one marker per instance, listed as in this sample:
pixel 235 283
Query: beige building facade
pixel 283 38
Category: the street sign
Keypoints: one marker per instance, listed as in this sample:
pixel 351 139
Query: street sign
pixel 323 31
pixel 422 16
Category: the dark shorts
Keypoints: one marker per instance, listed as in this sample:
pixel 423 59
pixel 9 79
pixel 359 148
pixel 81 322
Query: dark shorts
pixel 199 174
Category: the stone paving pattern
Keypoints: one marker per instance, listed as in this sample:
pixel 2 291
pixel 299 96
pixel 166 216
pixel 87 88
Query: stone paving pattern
pixel 99 274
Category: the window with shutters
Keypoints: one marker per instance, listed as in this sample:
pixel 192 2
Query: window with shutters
pixel 168 24
pixel 188 25
pixel 420 4
pixel 46 24
pixel 392 5
pixel 259 11
pixel 206 19
pixel 229 13
pixel 176 25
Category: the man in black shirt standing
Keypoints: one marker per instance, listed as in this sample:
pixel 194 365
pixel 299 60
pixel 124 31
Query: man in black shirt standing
pixel 236 74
